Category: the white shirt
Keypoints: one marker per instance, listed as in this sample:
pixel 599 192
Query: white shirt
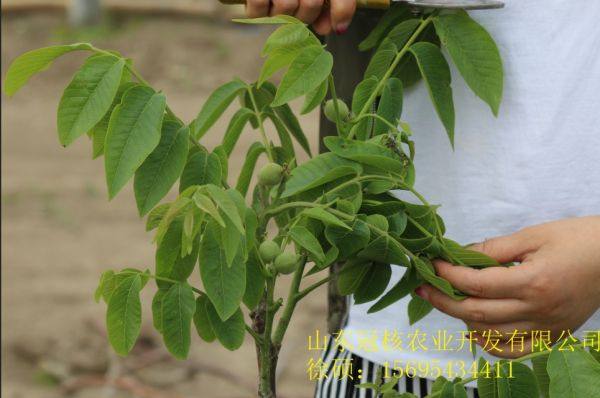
pixel 538 161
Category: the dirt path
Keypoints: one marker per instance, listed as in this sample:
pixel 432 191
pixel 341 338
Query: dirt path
pixel 59 232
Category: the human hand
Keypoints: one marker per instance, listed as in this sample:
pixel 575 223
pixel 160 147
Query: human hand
pixel 335 18
pixel 556 287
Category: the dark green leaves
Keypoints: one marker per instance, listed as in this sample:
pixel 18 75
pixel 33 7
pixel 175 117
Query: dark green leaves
pixel 467 257
pixel 373 284
pixel 518 382
pixel 390 19
pixel 285 36
pixel 89 96
pixel 306 240
pixel 540 365
pixel 573 374
pixel 162 168
pixel 390 106
pixel 366 153
pixel 381 60
pixel 124 314
pixel 224 285
pixel 201 320
pixel 325 217
pixel 229 332
pixel 32 62
pixel 133 133
pixel 475 54
pixel 361 96
pixel 418 309
pixel 201 168
pixel 406 285
pixel 308 70
pixel 214 107
pixel 169 262
pixel 235 128
pixel 348 241
pixel 436 73
pixel 178 307
pixel 314 98
pixel 318 171
pixel 255 150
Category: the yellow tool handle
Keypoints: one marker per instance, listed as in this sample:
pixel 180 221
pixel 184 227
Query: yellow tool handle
pixel 373 4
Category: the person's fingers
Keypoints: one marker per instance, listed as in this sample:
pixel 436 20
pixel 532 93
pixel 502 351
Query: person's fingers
pixel 509 248
pixel 474 309
pixel 286 7
pixel 257 8
pixel 342 12
pixel 323 23
pixel 504 350
pixel 493 282
pixel 504 331
pixel 309 10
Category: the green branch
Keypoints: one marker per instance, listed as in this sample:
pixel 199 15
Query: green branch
pixel 290 305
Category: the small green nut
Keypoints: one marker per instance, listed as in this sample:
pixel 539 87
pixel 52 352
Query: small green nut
pixel 270 174
pixel 329 110
pixel 268 250
pixel 286 263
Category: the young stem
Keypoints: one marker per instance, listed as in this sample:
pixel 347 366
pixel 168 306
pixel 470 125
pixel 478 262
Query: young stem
pixel 335 103
pixel 424 23
pixel 265 351
pixel 290 305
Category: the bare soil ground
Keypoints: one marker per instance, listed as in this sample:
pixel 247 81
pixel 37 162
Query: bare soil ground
pixel 59 231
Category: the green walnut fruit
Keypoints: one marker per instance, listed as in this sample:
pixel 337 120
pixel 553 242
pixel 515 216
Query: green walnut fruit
pixel 270 174
pixel 286 263
pixel 268 250
pixel 329 110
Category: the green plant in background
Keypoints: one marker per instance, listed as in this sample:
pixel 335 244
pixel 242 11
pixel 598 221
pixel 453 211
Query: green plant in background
pixel 299 218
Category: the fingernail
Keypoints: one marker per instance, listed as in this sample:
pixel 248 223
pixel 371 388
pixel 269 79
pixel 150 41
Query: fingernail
pixel 341 29
pixel 420 291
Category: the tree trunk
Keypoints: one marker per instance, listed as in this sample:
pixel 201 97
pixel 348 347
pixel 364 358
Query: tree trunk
pixel 267 361
pixel 348 69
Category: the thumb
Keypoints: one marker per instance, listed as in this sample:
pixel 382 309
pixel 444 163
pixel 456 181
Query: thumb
pixel 507 248
pixel 342 12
